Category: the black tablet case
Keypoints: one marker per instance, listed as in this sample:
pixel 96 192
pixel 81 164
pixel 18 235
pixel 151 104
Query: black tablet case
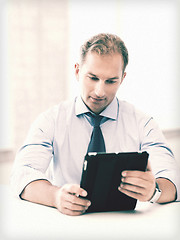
pixel 101 177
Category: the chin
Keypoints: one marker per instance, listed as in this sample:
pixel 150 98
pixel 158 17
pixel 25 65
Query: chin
pixel 97 110
pixel 96 107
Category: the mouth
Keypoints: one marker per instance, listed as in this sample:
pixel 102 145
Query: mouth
pixel 97 100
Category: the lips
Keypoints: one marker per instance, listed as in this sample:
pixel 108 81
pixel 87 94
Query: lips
pixel 97 99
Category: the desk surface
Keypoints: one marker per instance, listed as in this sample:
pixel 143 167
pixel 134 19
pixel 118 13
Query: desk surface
pixel 25 220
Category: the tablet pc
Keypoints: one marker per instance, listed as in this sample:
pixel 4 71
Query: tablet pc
pixel 101 177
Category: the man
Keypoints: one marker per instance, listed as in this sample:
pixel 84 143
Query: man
pixel 62 135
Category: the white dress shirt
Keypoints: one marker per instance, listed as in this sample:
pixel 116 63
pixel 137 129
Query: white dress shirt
pixel 61 135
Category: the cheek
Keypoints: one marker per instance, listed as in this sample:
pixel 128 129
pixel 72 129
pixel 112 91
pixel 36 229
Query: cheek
pixel 85 86
pixel 111 91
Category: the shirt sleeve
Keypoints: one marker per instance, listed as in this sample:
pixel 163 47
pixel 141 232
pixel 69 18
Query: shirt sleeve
pixel 34 157
pixel 162 160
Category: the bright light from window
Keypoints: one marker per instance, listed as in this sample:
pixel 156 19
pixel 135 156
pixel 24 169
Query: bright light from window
pixel 149 30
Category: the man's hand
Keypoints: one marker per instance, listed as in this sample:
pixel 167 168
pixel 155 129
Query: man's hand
pixel 137 184
pixel 68 200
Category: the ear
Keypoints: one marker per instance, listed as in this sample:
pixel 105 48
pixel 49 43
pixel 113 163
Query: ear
pixel 124 75
pixel 77 71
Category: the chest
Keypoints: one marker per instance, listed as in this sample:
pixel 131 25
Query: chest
pixel 74 136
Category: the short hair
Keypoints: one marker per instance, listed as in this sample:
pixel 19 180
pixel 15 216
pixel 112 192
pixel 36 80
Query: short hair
pixel 105 44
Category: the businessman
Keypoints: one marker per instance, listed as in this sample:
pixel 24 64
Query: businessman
pixel 62 135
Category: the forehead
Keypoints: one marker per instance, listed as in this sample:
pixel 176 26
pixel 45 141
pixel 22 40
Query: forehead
pixel 107 65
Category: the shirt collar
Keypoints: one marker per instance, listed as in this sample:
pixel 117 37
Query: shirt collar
pixel 110 112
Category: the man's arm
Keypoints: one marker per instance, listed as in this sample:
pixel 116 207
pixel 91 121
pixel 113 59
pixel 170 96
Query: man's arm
pixel 168 190
pixel 66 199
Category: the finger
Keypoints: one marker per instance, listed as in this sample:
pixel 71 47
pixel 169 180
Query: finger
pixel 141 196
pixel 133 181
pixel 131 194
pixel 75 189
pixel 75 207
pixel 67 204
pixel 72 213
pixel 73 203
pixel 78 201
pixel 132 188
pixel 136 174
pixel 139 189
pixel 144 180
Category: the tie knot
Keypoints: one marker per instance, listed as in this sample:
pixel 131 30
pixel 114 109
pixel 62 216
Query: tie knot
pixel 95 119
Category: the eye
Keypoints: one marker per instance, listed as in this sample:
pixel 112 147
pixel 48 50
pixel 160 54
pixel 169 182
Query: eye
pixel 110 81
pixel 94 78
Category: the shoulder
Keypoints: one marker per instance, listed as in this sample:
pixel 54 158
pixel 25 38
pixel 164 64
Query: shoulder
pixel 128 108
pixel 129 111
pixel 61 108
pixel 47 120
pixel 51 115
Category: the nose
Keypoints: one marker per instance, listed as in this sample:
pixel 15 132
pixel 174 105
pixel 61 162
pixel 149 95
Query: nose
pixel 100 89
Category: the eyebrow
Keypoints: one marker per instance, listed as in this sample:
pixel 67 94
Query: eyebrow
pixel 113 78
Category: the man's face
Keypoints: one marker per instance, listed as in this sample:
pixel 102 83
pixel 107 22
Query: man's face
pixel 99 78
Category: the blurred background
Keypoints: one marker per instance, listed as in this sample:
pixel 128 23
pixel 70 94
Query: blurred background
pixel 39 45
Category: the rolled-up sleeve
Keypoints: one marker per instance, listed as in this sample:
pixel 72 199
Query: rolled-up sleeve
pixel 162 160
pixel 33 158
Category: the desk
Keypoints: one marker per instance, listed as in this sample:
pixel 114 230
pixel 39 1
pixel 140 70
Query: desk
pixel 25 220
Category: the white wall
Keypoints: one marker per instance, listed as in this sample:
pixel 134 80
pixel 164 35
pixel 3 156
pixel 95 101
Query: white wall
pixel 4 83
pixel 37 61
pixel 150 31
pixel 87 18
